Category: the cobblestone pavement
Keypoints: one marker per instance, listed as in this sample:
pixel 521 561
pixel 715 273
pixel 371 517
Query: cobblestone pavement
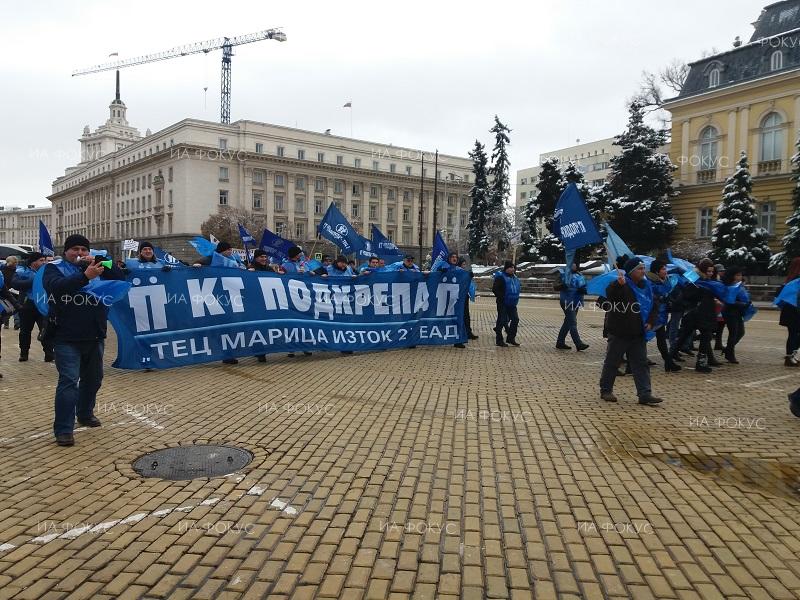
pixel 429 473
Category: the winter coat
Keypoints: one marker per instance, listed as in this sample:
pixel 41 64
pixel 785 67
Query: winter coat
pixel 573 292
pixel 737 308
pixel 703 306
pixel 79 317
pixel 622 310
pixel 334 272
pixel 506 288
pixel 23 283
pixel 790 315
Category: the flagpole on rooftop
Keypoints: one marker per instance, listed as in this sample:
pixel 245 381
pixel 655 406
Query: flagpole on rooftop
pixel 421 204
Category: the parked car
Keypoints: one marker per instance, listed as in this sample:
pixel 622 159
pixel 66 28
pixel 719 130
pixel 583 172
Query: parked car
pixel 21 250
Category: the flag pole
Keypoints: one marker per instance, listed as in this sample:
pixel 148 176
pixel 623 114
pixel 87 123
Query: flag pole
pixel 421 204
pixel 435 182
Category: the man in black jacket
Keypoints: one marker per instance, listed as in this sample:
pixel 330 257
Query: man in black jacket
pixel 79 321
pixel 626 331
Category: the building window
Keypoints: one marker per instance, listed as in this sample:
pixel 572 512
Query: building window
pixel 280 228
pixel 300 205
pixel 713 78
pixel 451 200
pixel 408 170
pixel 772 137
pixel 373 211
pixel 463 219
pixel 299 231
pixel 704 225
pixel 392 168
pixel 279 202
pixel 319 185
pixel 406 196
pixel 281 151
pixel 259 148
pixel 523 181
pixel 338 187
pixel 767 217
pixel 708 148
pixel 223 173
pixel 339 160
pixel 355 211
pixel 223 144
pixel 279 180
pixel 390 214
pixel 257 199
pixel 223 197
pixel 390 235
pixel 406 238
pixel 373 191
pixel 300 184
pixel 776 60
pixel 450 219
pixel 390 194
pixel 357 163
pixel 169 174
pixel 320 157
pixel 356 190
pixel 258 177
pixel 319 206
pixel 375 165
pixel 406 215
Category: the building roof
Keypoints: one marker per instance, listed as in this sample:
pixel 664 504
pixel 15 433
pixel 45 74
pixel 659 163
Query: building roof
pixel 777 28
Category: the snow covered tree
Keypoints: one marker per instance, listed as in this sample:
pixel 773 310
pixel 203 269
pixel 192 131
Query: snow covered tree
pixel 548 246
pixel 736 238
pixel 478 238
pixel 498 223
pixel 640 186
pixel 791 239
pixel 530 231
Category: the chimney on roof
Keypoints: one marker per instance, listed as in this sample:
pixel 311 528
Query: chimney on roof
pixel 737 42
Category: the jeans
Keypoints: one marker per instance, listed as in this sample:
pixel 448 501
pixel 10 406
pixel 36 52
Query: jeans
pixel 570 324
pixel 28 317
pixel 508 319
pixel 80 373
pixel 636 349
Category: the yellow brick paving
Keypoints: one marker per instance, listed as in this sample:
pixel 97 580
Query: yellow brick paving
pixel 428 473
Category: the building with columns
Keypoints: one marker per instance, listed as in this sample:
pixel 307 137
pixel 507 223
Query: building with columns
pixel 21 225
pixel 745 99
pixel 163 185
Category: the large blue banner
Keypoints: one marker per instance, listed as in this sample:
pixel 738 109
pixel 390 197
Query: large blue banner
pixel 190 316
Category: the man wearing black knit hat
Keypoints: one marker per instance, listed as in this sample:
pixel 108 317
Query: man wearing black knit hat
pixel 77 325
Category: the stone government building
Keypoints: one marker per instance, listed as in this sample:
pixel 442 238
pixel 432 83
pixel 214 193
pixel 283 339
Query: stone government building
pixel 163 185
pixel 744 99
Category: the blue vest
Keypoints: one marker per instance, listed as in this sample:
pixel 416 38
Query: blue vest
pixel 513 286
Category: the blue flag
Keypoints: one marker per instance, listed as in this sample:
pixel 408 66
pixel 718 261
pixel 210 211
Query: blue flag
pixel 615 246
pixel 572 222
pixel 166 257
pixel 439 252
pixel 274 245
pixel 366 251
pixel 219 260
pixel 203 246
pixel 337 229
pixel 383 246
pixel 45 243
pixel 246 237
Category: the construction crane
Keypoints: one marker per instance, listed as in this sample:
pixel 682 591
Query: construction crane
pixel 225 43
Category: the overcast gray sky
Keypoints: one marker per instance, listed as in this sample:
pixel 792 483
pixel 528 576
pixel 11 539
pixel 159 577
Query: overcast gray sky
pixel 420 74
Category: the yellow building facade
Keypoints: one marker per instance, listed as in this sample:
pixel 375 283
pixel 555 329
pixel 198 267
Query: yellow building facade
pixel 743 100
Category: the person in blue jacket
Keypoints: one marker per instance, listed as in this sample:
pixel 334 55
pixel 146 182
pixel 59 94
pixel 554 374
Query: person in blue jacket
pixel 293 264
pixel 662 286
pixel 340 268
pixel 733 311
pixel 77 325
pixel 571 296
pixel 506 288
pixel 29 315
pixel 408 264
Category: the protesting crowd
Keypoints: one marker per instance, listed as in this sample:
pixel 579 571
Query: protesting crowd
pixel 692 311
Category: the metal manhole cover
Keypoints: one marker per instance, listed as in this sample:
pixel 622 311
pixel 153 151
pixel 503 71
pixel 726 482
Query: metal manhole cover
pixel 192 462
